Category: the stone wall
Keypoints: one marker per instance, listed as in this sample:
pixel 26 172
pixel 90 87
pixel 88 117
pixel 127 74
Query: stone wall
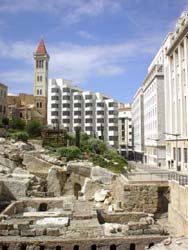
pixel 103 244
pixel 178 208
pixel 147 198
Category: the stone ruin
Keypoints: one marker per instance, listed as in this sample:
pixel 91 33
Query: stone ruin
pixel 47 203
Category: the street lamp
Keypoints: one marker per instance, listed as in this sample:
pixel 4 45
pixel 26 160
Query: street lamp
pixel 176 135
pixel 157 152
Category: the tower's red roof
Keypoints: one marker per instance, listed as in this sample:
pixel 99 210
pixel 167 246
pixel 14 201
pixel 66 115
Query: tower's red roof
pixel 41 48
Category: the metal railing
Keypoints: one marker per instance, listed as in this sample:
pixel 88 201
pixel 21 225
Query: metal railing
pixel 158 176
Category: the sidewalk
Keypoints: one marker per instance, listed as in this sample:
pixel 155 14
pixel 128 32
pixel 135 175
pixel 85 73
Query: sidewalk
pixel 141 167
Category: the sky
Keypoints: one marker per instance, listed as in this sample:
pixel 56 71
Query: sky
pixel 102 45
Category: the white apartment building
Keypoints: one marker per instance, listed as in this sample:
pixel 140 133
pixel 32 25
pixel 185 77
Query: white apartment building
pixel 94 113
pixel 176 95
pixel 154 112
pixel 125 131
pixel 138 125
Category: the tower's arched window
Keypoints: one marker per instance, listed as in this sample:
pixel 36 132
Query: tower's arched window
pixel 58 248
pixel 40 91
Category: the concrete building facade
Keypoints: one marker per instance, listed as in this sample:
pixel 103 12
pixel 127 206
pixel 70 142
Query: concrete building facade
pixel 176 95
pixel 138 125
pixel 72 108
pixel 41 59
pixel 154 112
pixel 125 139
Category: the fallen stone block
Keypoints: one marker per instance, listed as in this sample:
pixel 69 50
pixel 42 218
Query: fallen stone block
pixel 28 233
pixel 52 232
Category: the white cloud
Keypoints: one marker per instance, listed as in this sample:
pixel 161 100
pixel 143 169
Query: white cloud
pixel 72 11
pixel 73 61
pixel 85 35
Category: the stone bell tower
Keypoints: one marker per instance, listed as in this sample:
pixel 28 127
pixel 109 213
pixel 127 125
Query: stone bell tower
pixel 41 59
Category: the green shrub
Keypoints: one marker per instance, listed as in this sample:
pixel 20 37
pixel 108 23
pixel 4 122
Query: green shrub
pixel 20 136
pixel 71 152
pixel 34 128
pixel 17 123
pixel 98 146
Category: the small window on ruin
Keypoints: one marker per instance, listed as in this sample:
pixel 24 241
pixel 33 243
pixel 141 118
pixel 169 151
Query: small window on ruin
pixel 58 248
pixel 93 247
pixel 23 247
pixel 4 247
pixel 113 247
pixel 43 207
pixel 42 248
pixel 77 188
pixel 132 246
pixel 151 245
pixel 76 247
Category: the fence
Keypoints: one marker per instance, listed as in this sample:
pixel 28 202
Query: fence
pixel 158 176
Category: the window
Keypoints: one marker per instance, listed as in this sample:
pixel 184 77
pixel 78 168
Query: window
pixel 89 104
pixel 132 246
pixel 89 128
pixel 77 112
pixel 113 138
pixel 4 111
pixel 174 153
pixel 40 91
pixel 77 120
pixel 54 113
pixel 66 97
pixel 40 104
pixel 112 112
pixel 112 120
pixel 66 120
pixel 55 105
pixel 111 104
pixel 100 120
pixel 179 154
pixel 66 113
pixel 40 78
pixel 77 97
pixel 123 126
pixel 55 90
pixel 55 98
pixel 112 128
pixel 185 155
pixel 1 108
pixel 58 248
pixel 89 120
pixel 89 112
pixel 37 104
pixel 23 247
pixel 88 97
pixel 93 247
pixel 113 247
pixel 100 104
pixel 66 105
pixel 76 247
pixel 37 91
pixel 77 105
pixel 66 90
pixel 101 112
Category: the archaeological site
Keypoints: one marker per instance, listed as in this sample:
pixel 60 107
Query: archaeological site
pixel 47 203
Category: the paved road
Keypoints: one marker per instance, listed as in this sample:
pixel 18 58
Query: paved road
pixel 139 167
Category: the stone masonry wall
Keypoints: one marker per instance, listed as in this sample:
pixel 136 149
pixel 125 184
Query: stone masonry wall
pixel 178 208
pixel 102 244
pixel 147 198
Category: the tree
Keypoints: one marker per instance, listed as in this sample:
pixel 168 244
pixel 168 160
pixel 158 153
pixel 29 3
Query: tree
pixel 5 122
pixel 34 128
pixel 77 142
pixel 17 123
